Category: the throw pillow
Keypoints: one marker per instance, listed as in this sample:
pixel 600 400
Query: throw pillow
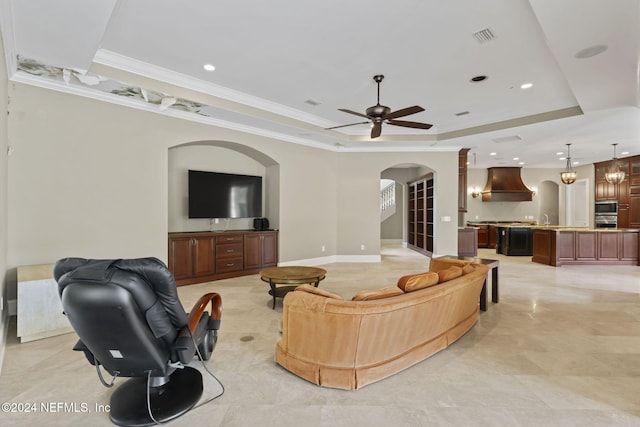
pixel 389 291
pixel 449 273
pixel 317 291
pixel 414 282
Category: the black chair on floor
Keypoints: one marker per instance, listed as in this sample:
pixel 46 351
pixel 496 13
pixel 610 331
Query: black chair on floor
pixel 130 320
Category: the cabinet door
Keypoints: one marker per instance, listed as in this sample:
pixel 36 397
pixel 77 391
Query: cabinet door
pixel 252 252
pixel 608 246
pixel 634 211
pixel 180 257
pixel 586 245
pixel 204 256
pixel 269 250
pixel 483 236
pixel 623 216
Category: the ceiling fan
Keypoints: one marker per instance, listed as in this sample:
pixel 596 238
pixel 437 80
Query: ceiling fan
pixel 379 114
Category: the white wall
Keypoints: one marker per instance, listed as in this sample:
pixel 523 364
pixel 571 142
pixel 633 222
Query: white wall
pixel 212 159
pixel 4 141
pixel 90 179
pixel 514 211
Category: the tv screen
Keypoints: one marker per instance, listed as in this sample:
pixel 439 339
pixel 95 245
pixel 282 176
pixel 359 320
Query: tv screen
pixel 223 195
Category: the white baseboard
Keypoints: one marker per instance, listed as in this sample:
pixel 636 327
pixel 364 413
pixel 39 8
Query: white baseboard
pixel 332 259
pixel 393 242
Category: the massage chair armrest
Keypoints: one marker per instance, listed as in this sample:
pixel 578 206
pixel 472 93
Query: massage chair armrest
pixel 199 307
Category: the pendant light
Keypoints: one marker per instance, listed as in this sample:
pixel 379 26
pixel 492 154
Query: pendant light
pixel 568 176
pixel 614 175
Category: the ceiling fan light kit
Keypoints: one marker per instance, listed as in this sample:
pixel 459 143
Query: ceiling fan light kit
pixel 379 114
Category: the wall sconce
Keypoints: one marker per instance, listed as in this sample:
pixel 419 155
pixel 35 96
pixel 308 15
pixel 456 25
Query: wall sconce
pixel 475 192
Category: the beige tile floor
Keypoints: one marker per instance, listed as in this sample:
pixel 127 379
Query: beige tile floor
pixel 561 348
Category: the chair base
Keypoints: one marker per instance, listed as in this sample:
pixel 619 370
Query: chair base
pixel 129 401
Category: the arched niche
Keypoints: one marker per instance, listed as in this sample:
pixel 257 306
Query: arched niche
pixel 219 156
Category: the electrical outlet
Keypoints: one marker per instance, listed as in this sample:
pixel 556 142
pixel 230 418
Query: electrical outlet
pixel 322 248
pixel 216 220
pixel 445 218
pixel 362 247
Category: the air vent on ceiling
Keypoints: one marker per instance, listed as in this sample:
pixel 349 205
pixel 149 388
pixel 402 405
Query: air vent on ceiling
pixel 511 138
pixel 462 113
pixel 484 35
pixel 312 102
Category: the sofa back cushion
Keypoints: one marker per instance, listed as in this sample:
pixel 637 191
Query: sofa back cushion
pixel 437 264
pixel 413 282
pixel 450 273
pixel 468 269
pixel 368 295
pixel 317 291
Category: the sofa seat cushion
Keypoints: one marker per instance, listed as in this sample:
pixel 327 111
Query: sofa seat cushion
pixel 317 291
pixel 413 282
pixel 368 295
pixel 450 273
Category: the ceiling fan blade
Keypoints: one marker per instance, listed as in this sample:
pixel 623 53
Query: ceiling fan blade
pixel 376 130
pixel 404 112
pixel 350 124
pixel 353 112
pixel 406 124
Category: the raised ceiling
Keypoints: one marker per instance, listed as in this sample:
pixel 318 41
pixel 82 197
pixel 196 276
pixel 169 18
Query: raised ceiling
pixel 284 67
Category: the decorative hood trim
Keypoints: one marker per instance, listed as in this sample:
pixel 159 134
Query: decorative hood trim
pixel 504 184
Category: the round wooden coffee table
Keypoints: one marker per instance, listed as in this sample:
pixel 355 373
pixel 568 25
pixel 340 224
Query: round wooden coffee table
pixel 290 277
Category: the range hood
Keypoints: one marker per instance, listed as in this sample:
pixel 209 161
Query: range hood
pixel 505 185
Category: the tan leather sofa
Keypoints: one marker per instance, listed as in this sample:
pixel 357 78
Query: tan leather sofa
pixel 348 344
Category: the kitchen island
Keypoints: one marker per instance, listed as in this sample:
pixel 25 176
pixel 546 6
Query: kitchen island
pixel 557 245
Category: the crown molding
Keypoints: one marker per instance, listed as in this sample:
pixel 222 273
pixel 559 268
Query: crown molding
pixel 134 66
pixel 25 78
pixel 8 41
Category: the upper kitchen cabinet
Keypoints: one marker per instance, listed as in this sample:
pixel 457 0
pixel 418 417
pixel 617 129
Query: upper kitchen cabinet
pixel 627 193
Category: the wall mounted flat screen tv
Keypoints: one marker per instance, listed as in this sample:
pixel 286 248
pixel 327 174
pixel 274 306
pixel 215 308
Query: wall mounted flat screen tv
pixel 223 195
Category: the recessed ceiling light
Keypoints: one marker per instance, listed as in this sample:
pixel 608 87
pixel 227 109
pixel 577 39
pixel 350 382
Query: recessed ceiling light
pixel 562 158
pixel 591 51
pixel 624 153
pixel 477 79
pixel 516 158
pixel 521 163
pixel 559 153
pixel 492 154
pixel 526 85
pixel 209 67
pixel 576 163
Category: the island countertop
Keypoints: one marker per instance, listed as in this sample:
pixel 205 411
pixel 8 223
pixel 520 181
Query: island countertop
pixel 556 246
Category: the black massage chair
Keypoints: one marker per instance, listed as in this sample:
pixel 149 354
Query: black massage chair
pixel 130 320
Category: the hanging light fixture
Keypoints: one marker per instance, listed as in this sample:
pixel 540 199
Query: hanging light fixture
pixel 568 176
pixel 614 175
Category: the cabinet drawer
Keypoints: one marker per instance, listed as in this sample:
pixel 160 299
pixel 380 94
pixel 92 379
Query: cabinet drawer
pixel 229 264
pixel 228 238
pixel 228 250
